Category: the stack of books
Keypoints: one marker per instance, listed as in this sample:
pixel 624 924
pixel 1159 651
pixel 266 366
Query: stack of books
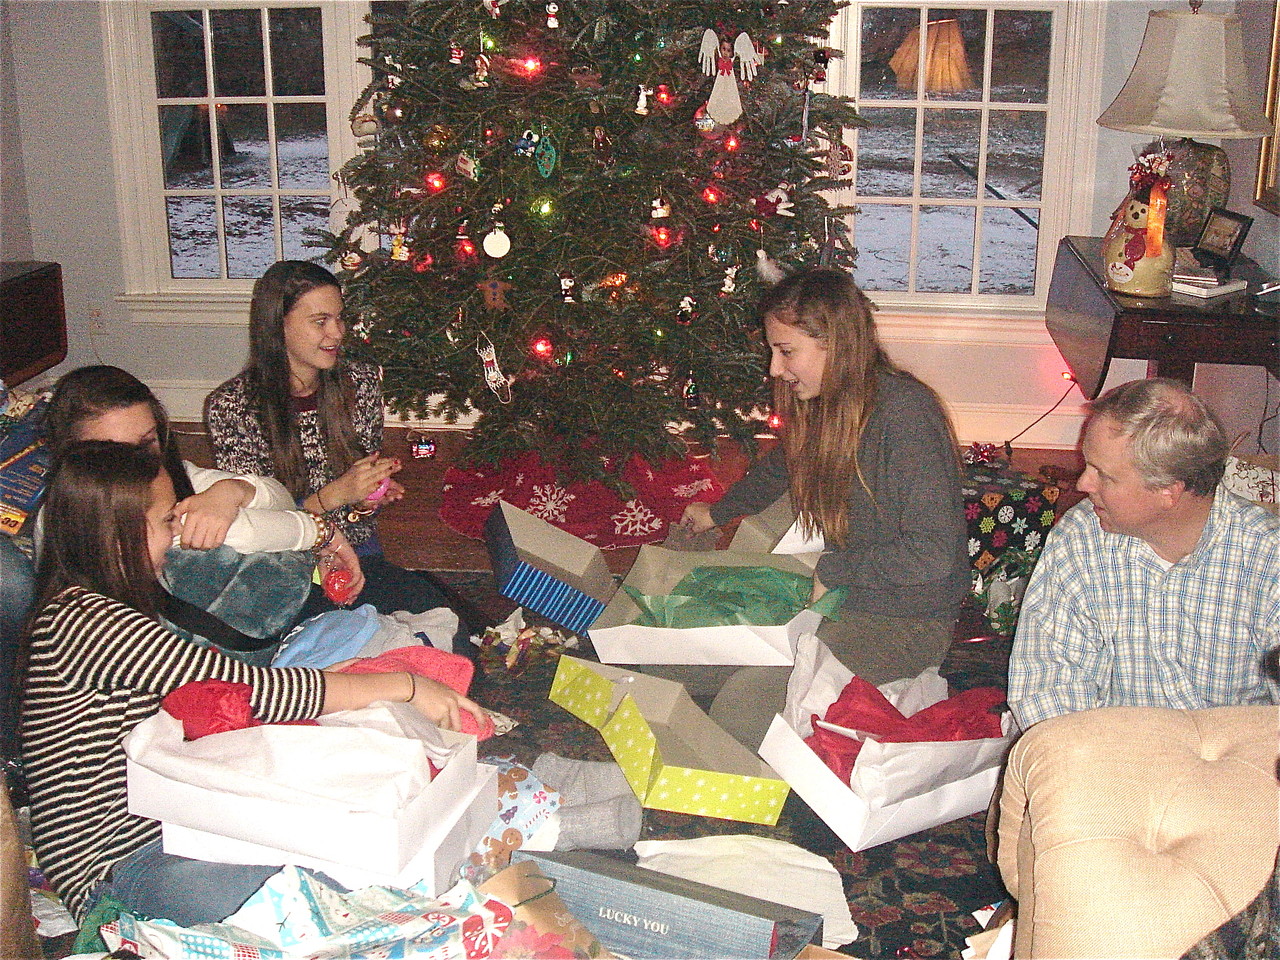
pixel 1195 280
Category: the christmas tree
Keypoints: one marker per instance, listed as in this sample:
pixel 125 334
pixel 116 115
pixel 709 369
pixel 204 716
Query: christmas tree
pixel 564 212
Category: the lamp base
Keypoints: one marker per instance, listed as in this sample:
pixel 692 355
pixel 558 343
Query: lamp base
pixel 1199 180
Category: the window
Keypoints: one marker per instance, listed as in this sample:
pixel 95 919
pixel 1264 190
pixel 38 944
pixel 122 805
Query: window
pixel 229 119
pixel 958 177
pixel 240 96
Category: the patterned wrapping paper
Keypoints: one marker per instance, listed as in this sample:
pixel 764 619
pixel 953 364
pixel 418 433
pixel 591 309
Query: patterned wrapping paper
pixel 1005 509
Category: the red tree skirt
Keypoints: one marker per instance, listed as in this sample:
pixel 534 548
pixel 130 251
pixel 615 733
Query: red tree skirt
pixel 588 510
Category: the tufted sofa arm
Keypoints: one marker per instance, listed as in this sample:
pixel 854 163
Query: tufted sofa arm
pixel 1134 831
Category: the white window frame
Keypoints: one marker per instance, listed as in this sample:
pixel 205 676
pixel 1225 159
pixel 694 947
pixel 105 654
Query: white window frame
pixel 1071 147
pixel 151 294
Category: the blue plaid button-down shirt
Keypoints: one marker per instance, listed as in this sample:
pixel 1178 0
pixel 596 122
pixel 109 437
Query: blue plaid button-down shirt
pixel 1106 623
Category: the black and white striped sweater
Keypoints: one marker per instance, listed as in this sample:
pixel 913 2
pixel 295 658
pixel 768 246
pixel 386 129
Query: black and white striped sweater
pixel 97 669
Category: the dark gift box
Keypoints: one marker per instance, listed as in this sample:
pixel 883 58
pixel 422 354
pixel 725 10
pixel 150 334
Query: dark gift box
pixel 641 913
pixel 1005 510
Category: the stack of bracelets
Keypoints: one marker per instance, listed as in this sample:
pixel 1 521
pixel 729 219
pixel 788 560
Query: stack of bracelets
pixel 326 530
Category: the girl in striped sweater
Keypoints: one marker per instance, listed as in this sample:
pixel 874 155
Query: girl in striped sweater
pixel 96 661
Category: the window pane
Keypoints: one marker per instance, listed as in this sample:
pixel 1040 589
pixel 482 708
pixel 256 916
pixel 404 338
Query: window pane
pixel 1015 153
pixel 1008 253
pixel 178 37
pixel 251 236
pixel 950 165
pixel 882 234
pixel 243 146
pixel 184 143
pixel 193 237
pixel 890 52
pixel 297 52
pixel 886 152
pixel 1020 61
pixel 302 147
pixel 237 53
pixel 297 215
pixel 953 57
pixel 945 250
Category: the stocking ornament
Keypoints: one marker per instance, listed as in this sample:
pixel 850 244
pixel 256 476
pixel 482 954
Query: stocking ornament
pixel 724 106
pixel 494 378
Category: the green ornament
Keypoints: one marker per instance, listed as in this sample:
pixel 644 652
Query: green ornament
pixel 545 156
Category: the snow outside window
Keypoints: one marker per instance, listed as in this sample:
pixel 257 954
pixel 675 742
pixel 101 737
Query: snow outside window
pixel 229 119
pixel 959 177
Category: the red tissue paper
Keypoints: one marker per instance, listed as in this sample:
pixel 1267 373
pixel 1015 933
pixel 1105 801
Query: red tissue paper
pixel 968 715
pixel 213 706
pixel 453 670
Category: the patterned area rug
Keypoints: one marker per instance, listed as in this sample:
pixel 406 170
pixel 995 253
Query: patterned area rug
pixel 591 510
pixel 912 897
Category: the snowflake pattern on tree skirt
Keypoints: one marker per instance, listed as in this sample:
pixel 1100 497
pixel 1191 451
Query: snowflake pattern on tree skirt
pixel 636 520
pixel 550 502
pixel 588 510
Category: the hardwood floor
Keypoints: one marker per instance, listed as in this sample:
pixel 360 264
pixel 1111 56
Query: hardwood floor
pixel 414 536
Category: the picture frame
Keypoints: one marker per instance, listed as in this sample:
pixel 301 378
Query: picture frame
pixel 1221 239
pixel 1266 193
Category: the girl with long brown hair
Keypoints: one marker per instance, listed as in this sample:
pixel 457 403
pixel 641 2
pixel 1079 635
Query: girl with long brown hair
pixel 96 661
pixel 304 414
pixel 869 460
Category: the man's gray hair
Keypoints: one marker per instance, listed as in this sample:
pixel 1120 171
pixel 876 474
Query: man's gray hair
pixel 1173 435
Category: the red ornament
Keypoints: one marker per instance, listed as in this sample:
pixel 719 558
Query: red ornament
pixel 530 66
pixel 731 143
pixel 337 586
pixel 424 263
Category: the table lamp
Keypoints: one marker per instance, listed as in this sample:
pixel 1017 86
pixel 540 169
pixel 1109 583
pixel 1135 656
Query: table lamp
pixel 1189 81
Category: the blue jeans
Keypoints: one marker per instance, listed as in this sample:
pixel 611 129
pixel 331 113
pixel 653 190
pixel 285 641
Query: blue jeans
pixel 158 884
pixel 17 586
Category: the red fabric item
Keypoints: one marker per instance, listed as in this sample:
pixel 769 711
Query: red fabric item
pixel 590 511
pixel 861 706
pixel 453 670
pixel 213 706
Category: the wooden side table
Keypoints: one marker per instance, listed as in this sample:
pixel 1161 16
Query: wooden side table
pixel 1091 324
pixel 33 321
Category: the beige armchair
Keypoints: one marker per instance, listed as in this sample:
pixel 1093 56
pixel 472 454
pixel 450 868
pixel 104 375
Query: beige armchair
pixel 1133 831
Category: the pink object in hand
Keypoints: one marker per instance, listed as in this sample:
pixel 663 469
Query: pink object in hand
pixel 338 587
pixel 379 491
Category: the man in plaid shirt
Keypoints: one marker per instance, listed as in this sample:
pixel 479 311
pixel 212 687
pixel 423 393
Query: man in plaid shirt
pixel 1162 589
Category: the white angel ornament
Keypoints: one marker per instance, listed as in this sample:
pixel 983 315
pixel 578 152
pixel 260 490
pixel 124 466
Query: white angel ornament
pixel 716 57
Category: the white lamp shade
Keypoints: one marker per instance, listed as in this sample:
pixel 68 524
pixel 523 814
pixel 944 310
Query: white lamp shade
pixel 1189 81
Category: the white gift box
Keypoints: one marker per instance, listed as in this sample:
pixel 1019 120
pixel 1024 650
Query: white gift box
pixel 896 788
pixel 356 801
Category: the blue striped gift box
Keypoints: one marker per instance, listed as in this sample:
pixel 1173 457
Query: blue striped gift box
pixel 545 588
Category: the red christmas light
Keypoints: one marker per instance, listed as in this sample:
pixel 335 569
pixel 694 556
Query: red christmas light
pixel 528 66
pixel 664 237
pixel 754 224
pixel 664 95
pixel 435 181
pixel 731 143
pixel 543 348
pixel 774 421
pixel 466 247
pixel 712 195
pixel 424 263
